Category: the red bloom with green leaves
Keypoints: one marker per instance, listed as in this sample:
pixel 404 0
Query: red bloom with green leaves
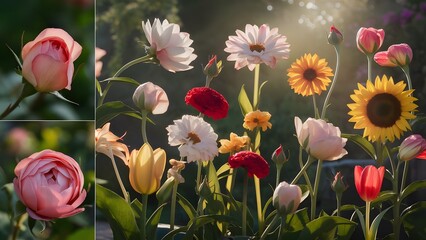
pixel 252 162
pixel 208 102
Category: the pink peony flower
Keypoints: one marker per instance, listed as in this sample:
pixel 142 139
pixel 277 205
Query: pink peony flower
pixel 396 55
pixel 257 45
pixel 320 139
pixel 99 53
pixel 169 45
pixel 48 60
pixel 369 40
pixel 50 185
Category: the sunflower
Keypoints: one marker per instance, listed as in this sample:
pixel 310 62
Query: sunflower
pixel 382 109
pixel 309 75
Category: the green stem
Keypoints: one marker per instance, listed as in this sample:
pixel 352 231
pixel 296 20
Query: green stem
pixel 120 182
pixel 173 205
pixel 208 81
pixel 143 127
pixel 379 152
pixel 10 108
pixel 404 175
pixel 338 203
pixel 315 193
pixel 270 226
pixel 406 71
pixel 369 63
pixel 256 87
pixel 145 58
pixel 367 220
pixel 303 169
pixel 333 84
pixel 200 166
pixel 282 227
pixel 244 215
pixel 17 226
pixel 315 106
pixel 143 217
pixel 277 180
pixel 260 216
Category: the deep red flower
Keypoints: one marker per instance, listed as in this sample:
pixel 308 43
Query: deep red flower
pixel 368 181
pixel 252 162
pixel 422 155
pixel 208 102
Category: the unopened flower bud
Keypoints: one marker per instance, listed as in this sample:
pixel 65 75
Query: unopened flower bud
pixel 334 37
pixel 286 198
pixel 204 189
pixel 213 67
pixel 411 147
pixel 165 191
pixel 338 185
pixel 151 98
pixel 279 156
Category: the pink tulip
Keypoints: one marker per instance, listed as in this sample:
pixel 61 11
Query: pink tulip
pixel 369 40
pixel 320 139
pixel 411 147
pixel 48 60
pixel 396 55
pixel 368 181
pixel 99 53
pixel 151 97
pixel 50 185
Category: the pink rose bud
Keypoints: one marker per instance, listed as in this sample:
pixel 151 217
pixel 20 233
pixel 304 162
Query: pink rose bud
pixel 334 37
pixel 396 55
pixel 48 60
pixel 50 185
pixel 338 185
pixel 99 53
pixel 151 97
pixel 278 156
pixel 369 40
pixel 286 198
pixel 213 67
pixel 411 147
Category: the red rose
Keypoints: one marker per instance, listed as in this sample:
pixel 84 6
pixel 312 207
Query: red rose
pixel 208 102
pixel 252 162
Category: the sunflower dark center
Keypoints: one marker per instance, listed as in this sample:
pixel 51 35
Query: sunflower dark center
pixel 257 47
pixel 309 74
pixel 194 137
pixel 255 120
pixel 383 110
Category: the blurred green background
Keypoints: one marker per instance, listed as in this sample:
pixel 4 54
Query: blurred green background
pixel 75 139
pixel 20 22
pixel 306 24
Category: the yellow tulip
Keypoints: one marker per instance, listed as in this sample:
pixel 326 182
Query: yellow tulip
pixel 146 169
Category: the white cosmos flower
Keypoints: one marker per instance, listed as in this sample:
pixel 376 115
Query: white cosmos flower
pixel 169 45
pixel 257 45
pixel 195 137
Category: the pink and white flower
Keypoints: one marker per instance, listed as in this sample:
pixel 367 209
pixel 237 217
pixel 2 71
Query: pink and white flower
pixel 396 55
pixel 257 45
pixel 169 45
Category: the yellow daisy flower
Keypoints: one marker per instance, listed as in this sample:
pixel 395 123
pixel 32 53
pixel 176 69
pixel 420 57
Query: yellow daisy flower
pixel 309 75
pixel 382 109
pixel 257 119
pixel 234 144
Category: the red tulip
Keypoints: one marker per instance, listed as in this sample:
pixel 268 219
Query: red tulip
pixel 368 181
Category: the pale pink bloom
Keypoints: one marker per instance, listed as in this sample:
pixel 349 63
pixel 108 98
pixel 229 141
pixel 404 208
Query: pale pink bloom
pixel 369 40
pixel 107 143
pixel 99 53
pixel 48 60
pixel 411 147
pixel 170 46
pixel 50 185
pixel 20 141
pixel 195 137
pixel 286 198
pixel 320 139
pixel 257 45
pixel 396 55
pixel 151 97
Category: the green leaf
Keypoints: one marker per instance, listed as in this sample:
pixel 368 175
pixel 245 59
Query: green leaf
pixel 298 220
pixel 376 222
pixel 110 110
pixel 171 234
pixel 186 205
pixel 361 221
pixel 414 186
pixel 84 233
pixel 224 168
pixel 384 196
pixel 58 95
pixel 123 80
pixel 213 181
pixel 244 102
pixel 414 221
pixel 199 221
pixel 154 219
pixel 325 228
pixel 118 212
pixel 98 87
pixel 16 56
pixel 361 142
